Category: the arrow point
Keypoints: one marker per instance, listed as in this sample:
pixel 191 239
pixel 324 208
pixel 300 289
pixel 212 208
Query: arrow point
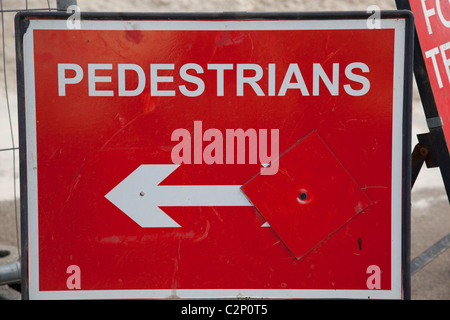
pixel 130 198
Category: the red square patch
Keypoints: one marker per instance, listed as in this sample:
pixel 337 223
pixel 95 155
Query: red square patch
pixel 310 197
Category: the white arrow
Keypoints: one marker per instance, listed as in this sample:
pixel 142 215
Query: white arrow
pixel 139 196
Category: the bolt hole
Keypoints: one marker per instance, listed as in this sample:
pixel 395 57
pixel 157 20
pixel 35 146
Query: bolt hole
pixel 303 196
pixel 141 193
pixel 4 253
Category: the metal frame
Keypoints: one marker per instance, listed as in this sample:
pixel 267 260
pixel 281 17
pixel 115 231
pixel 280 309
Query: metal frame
pixel 21 24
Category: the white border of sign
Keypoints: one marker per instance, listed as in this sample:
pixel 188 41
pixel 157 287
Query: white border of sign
pixel 399 25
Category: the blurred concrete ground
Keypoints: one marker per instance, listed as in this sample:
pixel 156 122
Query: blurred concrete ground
pixel 429 223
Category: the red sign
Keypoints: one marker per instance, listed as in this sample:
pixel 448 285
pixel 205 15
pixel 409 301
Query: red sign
pixel 432 19
pixel 215 158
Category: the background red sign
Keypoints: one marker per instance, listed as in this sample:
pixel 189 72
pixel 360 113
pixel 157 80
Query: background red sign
pixel 86 145
pixel 432 20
